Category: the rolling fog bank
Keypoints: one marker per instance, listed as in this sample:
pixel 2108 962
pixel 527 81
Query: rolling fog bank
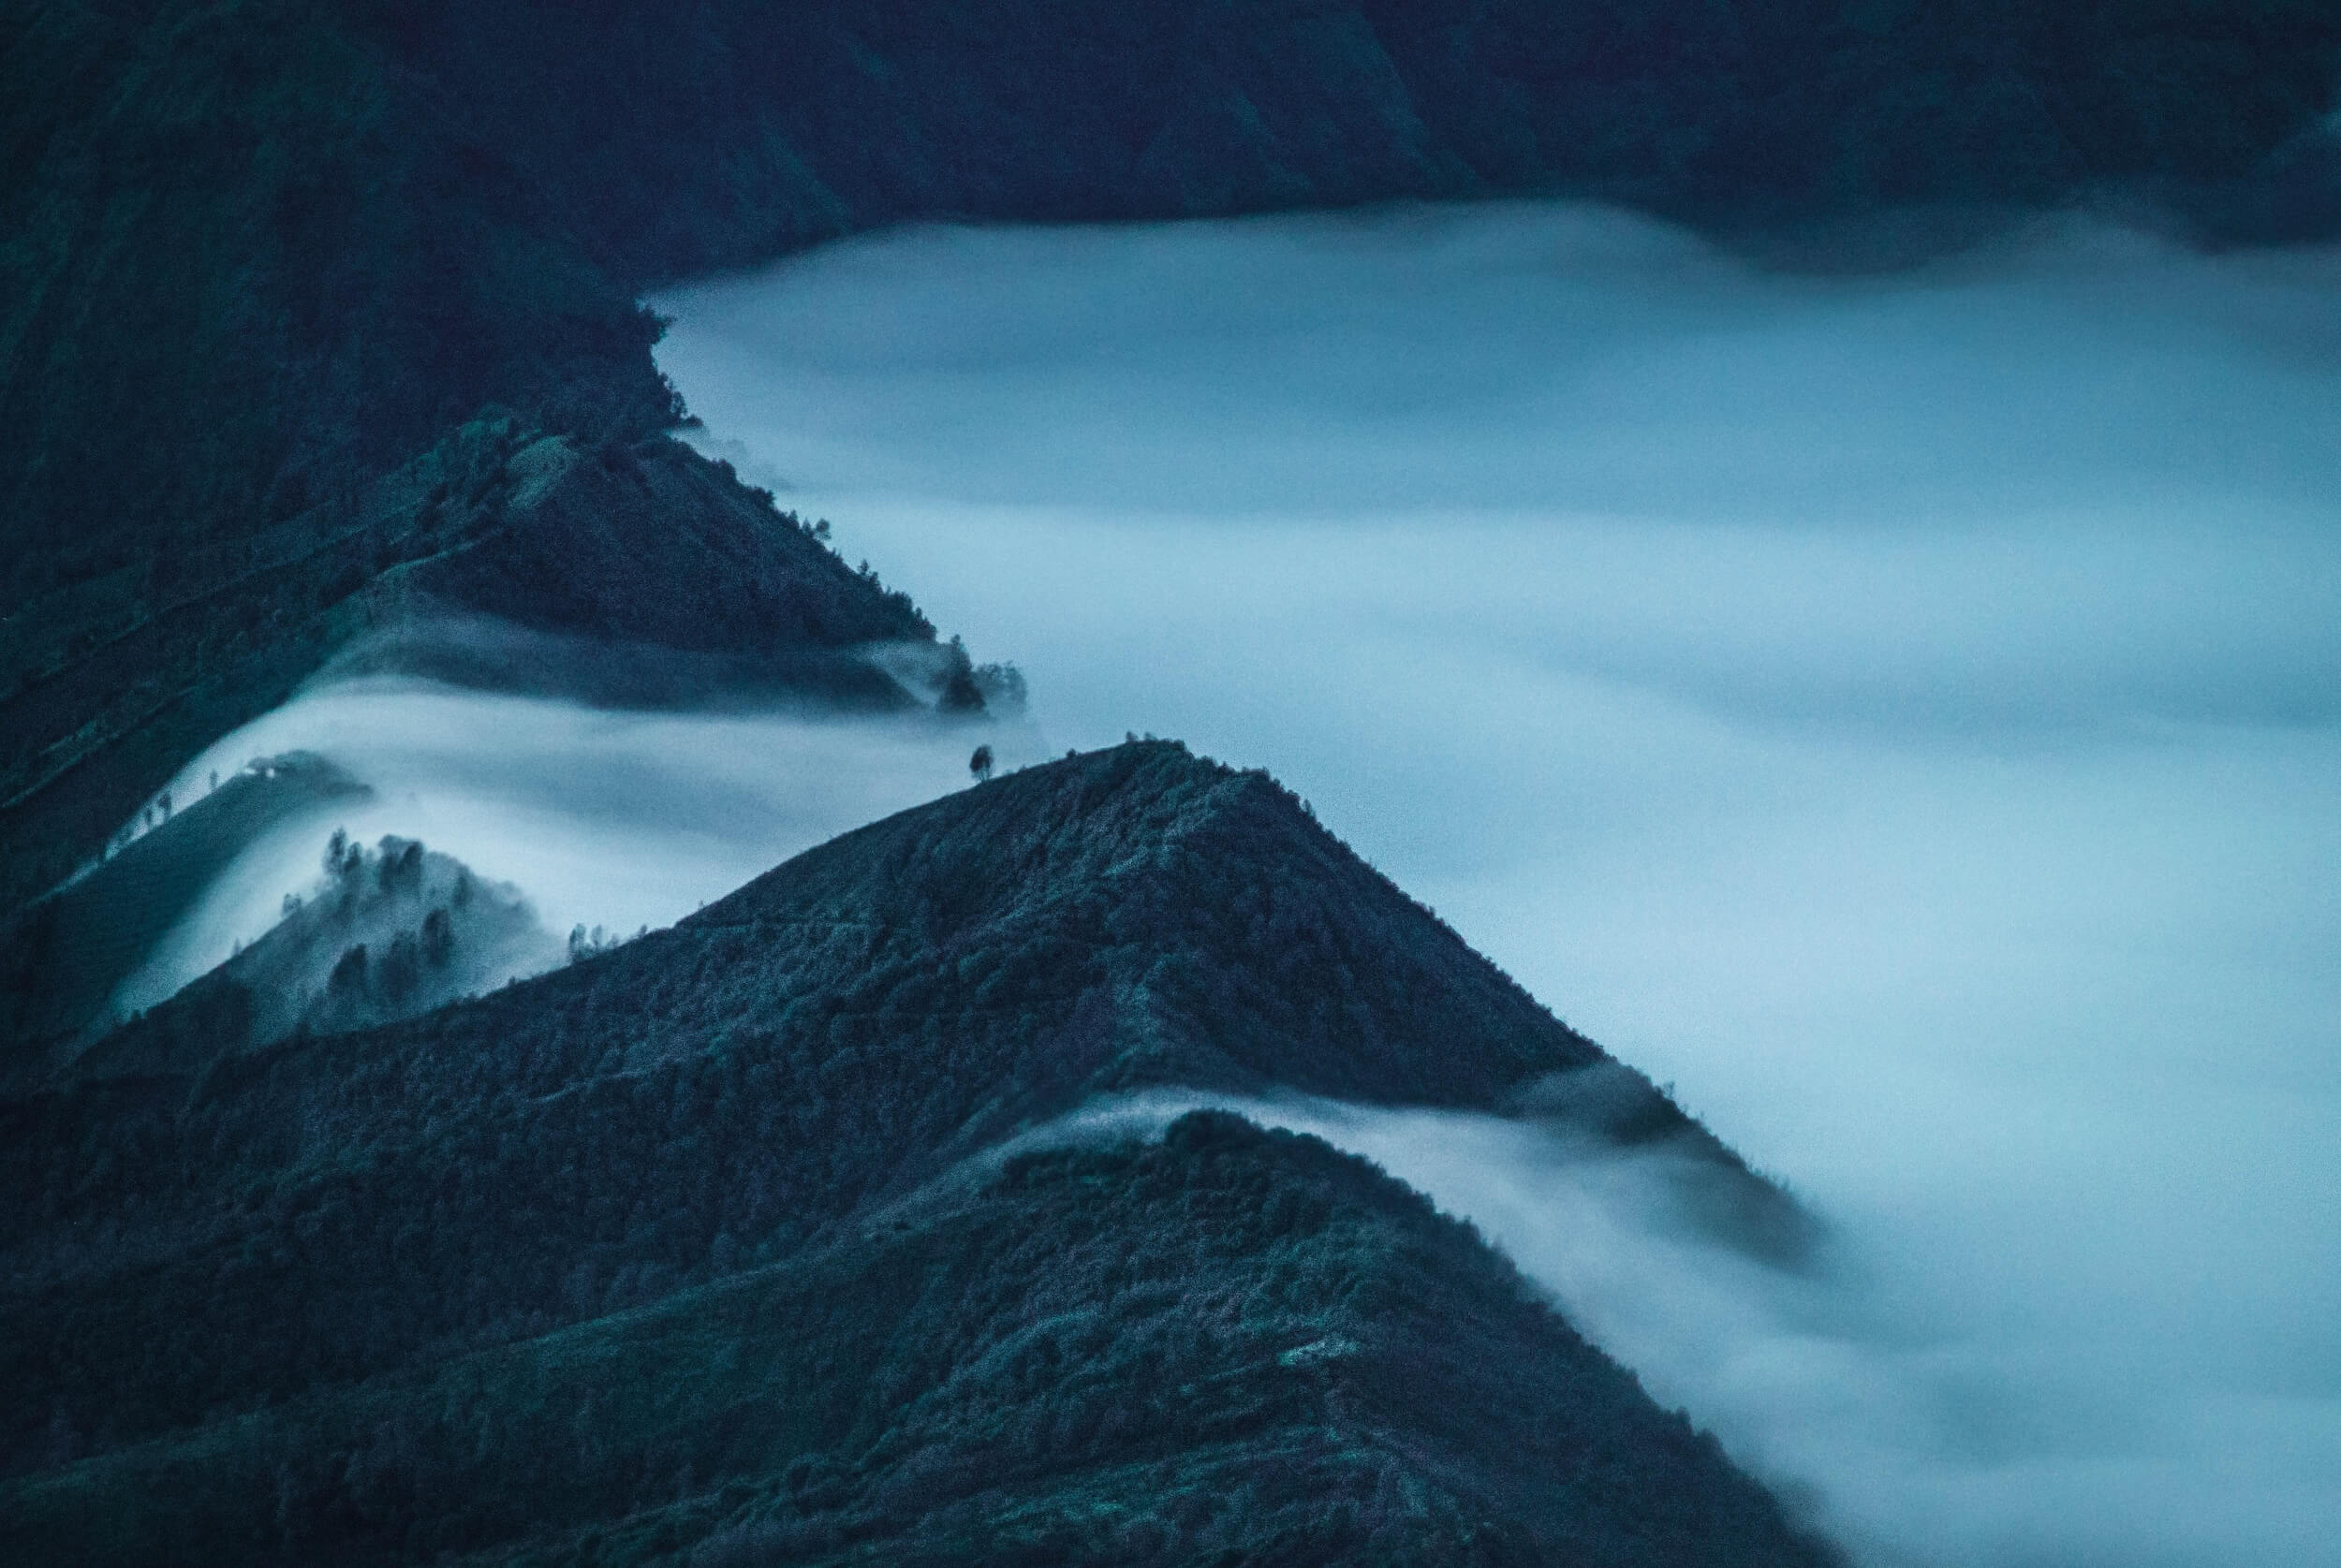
pixel 605 818
pixel 1903 710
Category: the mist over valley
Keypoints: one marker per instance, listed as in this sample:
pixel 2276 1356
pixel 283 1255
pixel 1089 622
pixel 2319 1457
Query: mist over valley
pixel 818 785
pixel 1896 708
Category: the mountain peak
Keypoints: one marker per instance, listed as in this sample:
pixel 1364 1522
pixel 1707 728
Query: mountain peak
pixel 1213 935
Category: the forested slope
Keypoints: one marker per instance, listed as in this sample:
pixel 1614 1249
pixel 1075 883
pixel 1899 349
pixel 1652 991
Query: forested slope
pixel 307 1271
pixel 1230 1347
pixel 625 573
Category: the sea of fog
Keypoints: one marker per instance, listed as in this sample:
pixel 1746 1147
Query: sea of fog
pixel 1902 710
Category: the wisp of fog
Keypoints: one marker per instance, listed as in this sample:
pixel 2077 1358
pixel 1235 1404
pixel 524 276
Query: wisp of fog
pixel 1903 710
pixel 616 819
pixel 1850 1383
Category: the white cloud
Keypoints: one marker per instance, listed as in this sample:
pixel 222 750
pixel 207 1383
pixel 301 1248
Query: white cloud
pixel 1900 710
pixel 619 820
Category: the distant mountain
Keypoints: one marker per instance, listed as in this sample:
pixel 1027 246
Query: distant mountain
pixel 682 140
pixel 258 260
pixel 708 1245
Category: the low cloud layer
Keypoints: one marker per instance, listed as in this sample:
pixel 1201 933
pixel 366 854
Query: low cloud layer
pixel 601 819
pixel 1899 709
pixel 1867 1391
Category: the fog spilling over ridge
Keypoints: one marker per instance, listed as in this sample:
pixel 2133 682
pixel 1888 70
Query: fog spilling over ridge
pixel 614 819
pixel 1899 709
pixel 1925 1444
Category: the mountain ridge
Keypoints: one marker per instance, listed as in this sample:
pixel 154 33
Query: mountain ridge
pixel 202 1233
pixel 1326 1426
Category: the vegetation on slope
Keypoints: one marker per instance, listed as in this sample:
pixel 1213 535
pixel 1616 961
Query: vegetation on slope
pixel 64 959
pixel 390 932
pixel 646 575
pixel 200 1236
pixel 256 254
pixel 1228 1346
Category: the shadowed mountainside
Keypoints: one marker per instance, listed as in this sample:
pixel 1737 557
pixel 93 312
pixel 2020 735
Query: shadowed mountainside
pixel 700 1227
pixel 709 135
pixel 629 575
pixel 1230 1347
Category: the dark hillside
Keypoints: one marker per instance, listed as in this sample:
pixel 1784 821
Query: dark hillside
pixel 194 1229
pixel 1227 1346
pixel 644 574
pixel 247 269
pixel 682 138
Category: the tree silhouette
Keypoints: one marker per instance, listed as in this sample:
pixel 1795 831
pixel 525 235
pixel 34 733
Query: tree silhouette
pixel 981 764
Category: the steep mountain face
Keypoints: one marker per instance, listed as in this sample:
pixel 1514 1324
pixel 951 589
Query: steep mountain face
pixel 707 1242
pixel 247 270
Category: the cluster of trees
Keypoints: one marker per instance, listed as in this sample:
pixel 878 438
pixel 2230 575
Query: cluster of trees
pixel 388 932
